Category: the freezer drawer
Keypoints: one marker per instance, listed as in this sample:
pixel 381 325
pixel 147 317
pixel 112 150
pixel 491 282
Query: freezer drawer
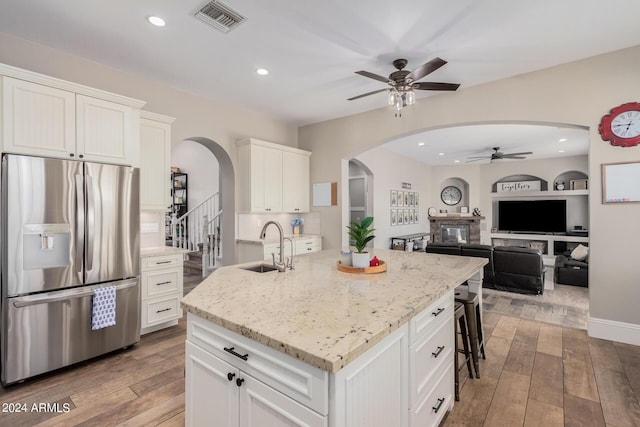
pixel 51 330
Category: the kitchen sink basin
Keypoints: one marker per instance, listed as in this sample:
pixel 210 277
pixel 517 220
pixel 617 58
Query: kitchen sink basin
pixel 260 268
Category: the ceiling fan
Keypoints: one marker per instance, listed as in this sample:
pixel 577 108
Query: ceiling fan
pixel 498 155
pixel 403 83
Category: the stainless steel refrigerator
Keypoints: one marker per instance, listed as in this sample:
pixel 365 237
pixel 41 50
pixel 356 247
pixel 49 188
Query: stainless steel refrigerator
pixel 68 227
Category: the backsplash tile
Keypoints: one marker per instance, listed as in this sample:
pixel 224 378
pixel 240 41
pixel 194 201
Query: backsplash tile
pixel 250 225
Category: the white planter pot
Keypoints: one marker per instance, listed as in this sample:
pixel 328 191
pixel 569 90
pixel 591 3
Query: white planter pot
pixel 360 260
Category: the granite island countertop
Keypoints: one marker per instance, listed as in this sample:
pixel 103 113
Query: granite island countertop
pixel 323 316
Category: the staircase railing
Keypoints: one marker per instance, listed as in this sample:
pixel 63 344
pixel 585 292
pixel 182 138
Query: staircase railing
pixel 203 230
pixel 212 250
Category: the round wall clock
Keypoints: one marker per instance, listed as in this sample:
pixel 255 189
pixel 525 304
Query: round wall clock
pixel 451 195
pixel 622 125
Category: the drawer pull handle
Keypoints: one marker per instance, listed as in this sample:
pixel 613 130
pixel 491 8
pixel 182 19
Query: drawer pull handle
pixel 239 382
pixel 438 351
pixel 437 312
pixel 438 405
pixel 163 262
pixel 164 309
pixel 241 356
pixel 230 376
pixel 163 283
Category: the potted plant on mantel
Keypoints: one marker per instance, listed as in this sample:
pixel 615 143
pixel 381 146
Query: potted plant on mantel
pixel 361 235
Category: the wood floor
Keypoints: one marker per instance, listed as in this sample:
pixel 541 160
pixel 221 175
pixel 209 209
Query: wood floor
pixel 536 374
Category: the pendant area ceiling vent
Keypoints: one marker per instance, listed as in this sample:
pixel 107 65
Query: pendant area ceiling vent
pixel 219 16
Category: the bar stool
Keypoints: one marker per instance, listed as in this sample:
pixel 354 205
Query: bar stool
pixel 461 329
pixel 471 304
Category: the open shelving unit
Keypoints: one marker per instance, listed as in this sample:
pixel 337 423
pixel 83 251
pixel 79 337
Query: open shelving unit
pixel 179 202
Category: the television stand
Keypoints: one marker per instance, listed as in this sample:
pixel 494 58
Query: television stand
pixel 544 242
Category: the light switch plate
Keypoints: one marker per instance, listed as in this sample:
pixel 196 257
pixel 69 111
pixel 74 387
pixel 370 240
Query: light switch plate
pixel 149 227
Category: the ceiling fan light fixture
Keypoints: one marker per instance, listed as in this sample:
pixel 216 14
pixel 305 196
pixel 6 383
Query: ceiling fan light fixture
pixel 410 98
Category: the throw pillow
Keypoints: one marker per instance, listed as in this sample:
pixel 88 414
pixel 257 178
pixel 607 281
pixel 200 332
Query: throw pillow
pixel 580 253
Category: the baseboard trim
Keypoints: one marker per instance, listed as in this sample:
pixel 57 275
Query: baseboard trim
pixel 628 333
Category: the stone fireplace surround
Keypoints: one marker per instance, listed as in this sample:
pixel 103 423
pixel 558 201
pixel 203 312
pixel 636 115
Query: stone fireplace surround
pixel 436 222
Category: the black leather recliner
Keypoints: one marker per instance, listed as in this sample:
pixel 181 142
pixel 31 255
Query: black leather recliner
pixel 482 251
pixel 569 271
pixel 518 269
pixel 444 248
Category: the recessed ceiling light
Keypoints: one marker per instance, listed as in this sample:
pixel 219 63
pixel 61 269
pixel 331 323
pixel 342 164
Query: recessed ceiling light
pixel 456 161
pixel 440 154
pixel 421 143
pixel 157 21
pixel 562 139
pixel 262 71
pixel 560 151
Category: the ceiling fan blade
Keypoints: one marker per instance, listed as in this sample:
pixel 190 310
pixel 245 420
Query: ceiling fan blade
pixel 367 94
pixel 513 157
pixel 518 154
pixel 375 76
pixel 478 159
pixel 435 86
pixel 426 68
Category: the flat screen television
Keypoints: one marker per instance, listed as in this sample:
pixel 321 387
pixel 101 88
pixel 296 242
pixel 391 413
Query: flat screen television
pixel 534 216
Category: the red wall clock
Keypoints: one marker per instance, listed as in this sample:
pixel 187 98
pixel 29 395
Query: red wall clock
pixel 622 125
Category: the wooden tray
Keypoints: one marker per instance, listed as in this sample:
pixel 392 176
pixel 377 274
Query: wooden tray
pixel 367 270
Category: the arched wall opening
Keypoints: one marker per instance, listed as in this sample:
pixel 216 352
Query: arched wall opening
pixel 226 180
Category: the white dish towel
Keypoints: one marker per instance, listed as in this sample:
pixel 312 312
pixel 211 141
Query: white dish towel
pixel 103 310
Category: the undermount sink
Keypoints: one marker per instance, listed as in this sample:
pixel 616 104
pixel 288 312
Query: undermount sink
pixel 261 268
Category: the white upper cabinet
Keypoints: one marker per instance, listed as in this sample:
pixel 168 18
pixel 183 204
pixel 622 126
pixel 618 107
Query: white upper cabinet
pixel 295 182
pixel 272 177
pixel 49 117
pixel 37 119
pixel 107 132
pixel 155 161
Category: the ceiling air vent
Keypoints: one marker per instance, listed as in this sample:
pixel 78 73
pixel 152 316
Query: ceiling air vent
pixel 219 16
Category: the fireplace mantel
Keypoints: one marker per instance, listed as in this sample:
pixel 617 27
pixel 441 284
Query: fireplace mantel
pixel 435 222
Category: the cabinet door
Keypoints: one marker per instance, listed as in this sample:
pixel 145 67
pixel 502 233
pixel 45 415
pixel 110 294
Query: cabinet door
pixel 155 167
pixel 295 182
pixel 107 132
pixel 210 398
pixel 266 179
pixel 260 405
pixel 38 119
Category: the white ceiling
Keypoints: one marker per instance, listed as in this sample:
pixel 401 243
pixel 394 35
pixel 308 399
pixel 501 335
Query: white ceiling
pixel 312 48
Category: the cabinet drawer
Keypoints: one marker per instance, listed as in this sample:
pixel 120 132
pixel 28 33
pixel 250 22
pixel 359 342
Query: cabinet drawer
pixel 161 282
pixel 304 246
pixel 298 380
pixel 159 262
pixel 427 358
pixel 430 410
pixel 161 310
pixel 431 317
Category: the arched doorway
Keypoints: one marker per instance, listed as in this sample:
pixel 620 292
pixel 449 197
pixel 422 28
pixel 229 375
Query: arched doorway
pixel 226 186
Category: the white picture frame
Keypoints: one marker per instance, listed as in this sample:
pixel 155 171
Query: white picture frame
pixel 394 217
pixel 394 198
pixel 400 199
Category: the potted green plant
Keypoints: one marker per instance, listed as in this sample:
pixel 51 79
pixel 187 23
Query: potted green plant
pixel 360 233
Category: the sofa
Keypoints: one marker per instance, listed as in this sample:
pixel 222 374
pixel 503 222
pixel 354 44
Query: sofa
pixel 510 268
pixel 569 271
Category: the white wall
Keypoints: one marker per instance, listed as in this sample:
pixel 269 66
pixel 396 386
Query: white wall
pixel 578 93
pixel 202 168
pixel 389 171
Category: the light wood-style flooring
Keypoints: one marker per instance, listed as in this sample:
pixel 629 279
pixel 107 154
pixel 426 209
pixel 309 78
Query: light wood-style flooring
pixel 536 374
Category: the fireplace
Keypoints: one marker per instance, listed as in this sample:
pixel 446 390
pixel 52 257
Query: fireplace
pixel 452 233
pixel 463 229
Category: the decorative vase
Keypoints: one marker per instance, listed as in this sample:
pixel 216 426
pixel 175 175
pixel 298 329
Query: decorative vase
pixel 345 258
pixel 360 259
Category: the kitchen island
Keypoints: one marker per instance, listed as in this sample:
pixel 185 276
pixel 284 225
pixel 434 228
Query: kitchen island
pixel 317 346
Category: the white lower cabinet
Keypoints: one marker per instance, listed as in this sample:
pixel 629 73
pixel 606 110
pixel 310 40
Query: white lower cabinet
pixel 404 380
pixel 162 284
pixel 249 251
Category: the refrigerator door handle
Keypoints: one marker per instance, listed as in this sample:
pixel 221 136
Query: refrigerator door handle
pixel 91 216
pixel 79 231
pixel 65 295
